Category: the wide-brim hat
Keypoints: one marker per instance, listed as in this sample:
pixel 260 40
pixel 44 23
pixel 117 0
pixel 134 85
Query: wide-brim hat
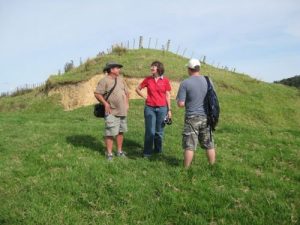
pixel 111 65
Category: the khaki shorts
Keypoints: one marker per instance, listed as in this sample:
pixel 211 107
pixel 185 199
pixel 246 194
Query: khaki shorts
pixel 196 129
pixel 115 125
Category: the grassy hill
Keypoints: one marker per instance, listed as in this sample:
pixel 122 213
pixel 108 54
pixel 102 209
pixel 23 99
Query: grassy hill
pixel 136 64
pixel 53 169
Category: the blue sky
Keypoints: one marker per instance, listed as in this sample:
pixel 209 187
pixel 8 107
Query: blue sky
pixel 258 37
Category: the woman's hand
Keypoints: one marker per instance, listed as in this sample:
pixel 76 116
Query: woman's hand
pixel 169 114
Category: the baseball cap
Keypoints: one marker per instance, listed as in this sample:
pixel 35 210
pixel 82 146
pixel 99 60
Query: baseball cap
pixel 193 63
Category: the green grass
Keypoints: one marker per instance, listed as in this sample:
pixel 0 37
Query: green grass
pixel 136 64
pixel 53 169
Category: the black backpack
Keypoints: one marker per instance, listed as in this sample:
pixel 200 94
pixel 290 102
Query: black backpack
pixel 211 106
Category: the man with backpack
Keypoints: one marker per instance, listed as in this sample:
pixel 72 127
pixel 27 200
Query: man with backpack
pixel 198 124
pixel 112 92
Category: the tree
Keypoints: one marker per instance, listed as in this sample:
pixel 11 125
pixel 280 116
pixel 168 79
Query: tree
pixel 292 81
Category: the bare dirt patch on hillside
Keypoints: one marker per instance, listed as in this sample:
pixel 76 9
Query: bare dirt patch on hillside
pixel 82 93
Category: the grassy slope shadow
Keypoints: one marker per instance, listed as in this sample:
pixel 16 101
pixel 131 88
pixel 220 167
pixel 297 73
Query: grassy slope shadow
pixel 86 141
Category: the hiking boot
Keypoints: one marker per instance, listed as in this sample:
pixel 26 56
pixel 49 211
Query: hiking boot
pixel 121 154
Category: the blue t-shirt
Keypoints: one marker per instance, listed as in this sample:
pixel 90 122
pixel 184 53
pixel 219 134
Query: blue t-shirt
pixel 192 92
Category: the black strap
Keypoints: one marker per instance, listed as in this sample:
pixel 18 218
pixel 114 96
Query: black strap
pixel 208 83
pixel 209 86
pixel 111 90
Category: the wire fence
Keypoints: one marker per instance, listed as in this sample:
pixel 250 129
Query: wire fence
pixel 23 89
pixel 137 43
pixel 165 45
pixel 154 43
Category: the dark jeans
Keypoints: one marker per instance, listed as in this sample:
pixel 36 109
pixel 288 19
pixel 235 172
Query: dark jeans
pixel 154 129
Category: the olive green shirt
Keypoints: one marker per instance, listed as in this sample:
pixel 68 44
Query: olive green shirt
pixel 118 98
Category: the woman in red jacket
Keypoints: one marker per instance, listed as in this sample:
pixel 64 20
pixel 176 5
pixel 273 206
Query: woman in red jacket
pixel 157 107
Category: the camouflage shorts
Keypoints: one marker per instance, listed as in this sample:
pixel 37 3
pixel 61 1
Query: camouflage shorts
pixel 196 129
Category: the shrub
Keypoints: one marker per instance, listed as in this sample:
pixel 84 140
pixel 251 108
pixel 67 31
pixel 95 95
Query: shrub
pixel 69 66
pixel 119 50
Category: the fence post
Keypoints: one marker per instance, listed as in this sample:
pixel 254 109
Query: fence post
pixel 184 52
pixel 177 50
pixel 141 42
pixel 149 43
pixel 163 49
pixel 168 45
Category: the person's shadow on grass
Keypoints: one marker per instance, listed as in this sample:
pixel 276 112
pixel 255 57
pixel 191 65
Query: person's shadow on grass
pixel 133 149
pixel 86 141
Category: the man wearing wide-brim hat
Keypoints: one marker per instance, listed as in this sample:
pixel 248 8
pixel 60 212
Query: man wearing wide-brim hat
pixel 116 107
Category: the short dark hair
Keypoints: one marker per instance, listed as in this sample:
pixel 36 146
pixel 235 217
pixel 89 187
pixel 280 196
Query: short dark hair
pixel 160 67
pixel 196 69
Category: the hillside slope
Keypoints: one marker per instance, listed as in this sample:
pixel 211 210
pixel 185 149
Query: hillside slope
pixel 255 100
pixel 53 169
pixel 252 99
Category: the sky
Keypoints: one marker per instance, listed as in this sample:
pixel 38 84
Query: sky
pixel 258 37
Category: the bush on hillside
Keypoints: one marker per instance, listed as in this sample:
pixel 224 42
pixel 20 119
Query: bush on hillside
pixel 89 63
pixel 69 66
pixel 119 50
pixel 292 81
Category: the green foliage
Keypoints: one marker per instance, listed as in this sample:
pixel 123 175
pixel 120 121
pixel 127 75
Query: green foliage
pixel 119 50
pixel 69 66
pixel 88 64
pixel 292 81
